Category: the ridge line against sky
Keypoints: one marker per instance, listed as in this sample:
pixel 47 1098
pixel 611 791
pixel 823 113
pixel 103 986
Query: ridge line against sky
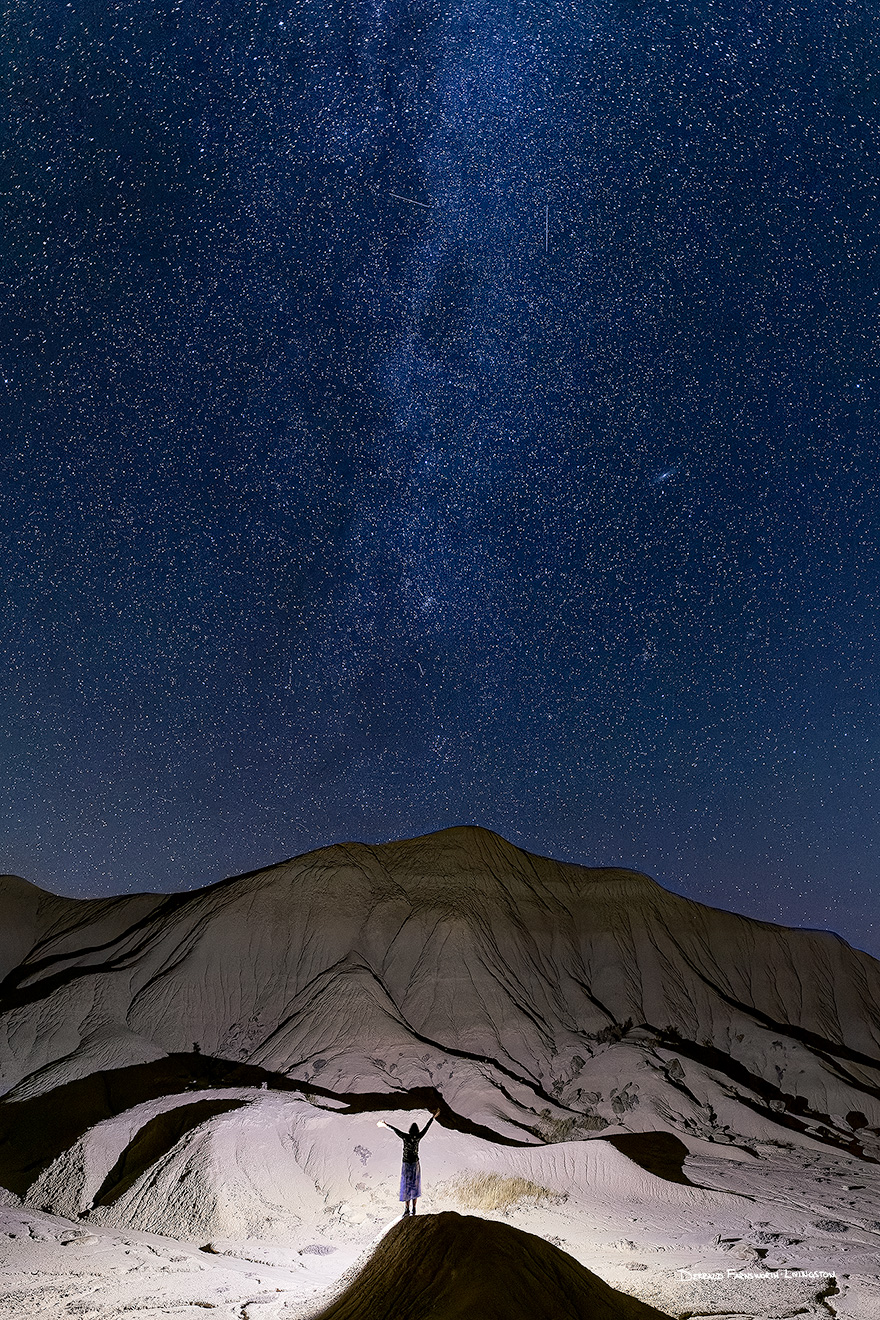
pixel 418 413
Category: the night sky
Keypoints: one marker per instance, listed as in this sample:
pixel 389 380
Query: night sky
pixel 423 413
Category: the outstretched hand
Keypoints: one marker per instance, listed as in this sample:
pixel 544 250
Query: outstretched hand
pixel 381 1123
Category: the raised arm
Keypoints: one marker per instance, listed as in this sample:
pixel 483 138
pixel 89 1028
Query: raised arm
pixel 403 1135
pixel 428 1124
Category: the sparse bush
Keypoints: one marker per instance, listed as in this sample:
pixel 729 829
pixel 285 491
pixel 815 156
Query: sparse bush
pixel 494 1191
pixel 614 1032
pixel 552 1129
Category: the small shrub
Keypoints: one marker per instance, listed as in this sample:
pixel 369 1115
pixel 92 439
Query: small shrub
pixel 614 1032
pixel 552 1129
pixel 494 1191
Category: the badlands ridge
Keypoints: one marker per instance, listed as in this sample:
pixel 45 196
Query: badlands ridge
pixel 619 1070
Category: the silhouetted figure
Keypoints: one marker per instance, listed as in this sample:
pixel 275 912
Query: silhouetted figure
pixel 410 1172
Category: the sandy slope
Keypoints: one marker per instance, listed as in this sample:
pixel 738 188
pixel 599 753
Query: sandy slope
pixel 308 1190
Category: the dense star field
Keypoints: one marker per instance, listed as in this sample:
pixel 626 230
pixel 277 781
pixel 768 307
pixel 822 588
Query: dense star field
pixel 422 413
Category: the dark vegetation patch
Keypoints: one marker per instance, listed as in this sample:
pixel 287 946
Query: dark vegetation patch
pixel 154 1140
pixel 450 1266
pixel 614 1032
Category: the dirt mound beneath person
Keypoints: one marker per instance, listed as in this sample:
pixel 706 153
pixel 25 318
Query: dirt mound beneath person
pixel 455 1267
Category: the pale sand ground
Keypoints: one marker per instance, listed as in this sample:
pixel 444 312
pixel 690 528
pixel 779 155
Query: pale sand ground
pixel 293 1196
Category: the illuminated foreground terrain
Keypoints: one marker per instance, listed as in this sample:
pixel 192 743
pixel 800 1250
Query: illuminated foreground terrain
pixel 684 1102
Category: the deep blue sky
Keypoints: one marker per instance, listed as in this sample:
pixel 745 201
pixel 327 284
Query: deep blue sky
pixel 422 413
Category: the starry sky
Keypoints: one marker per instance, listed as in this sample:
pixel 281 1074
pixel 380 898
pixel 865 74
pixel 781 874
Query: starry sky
pixel 420 413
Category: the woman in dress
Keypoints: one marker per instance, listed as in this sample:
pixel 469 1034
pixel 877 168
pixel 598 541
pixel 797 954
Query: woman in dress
pixel 410 1173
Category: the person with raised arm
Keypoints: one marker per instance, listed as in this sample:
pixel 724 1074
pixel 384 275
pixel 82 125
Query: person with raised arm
pixel 410 1172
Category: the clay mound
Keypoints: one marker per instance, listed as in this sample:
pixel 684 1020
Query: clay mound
pixel 34 1132
pixel 156 1139
pixel 455 1267
pixel 659 1153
